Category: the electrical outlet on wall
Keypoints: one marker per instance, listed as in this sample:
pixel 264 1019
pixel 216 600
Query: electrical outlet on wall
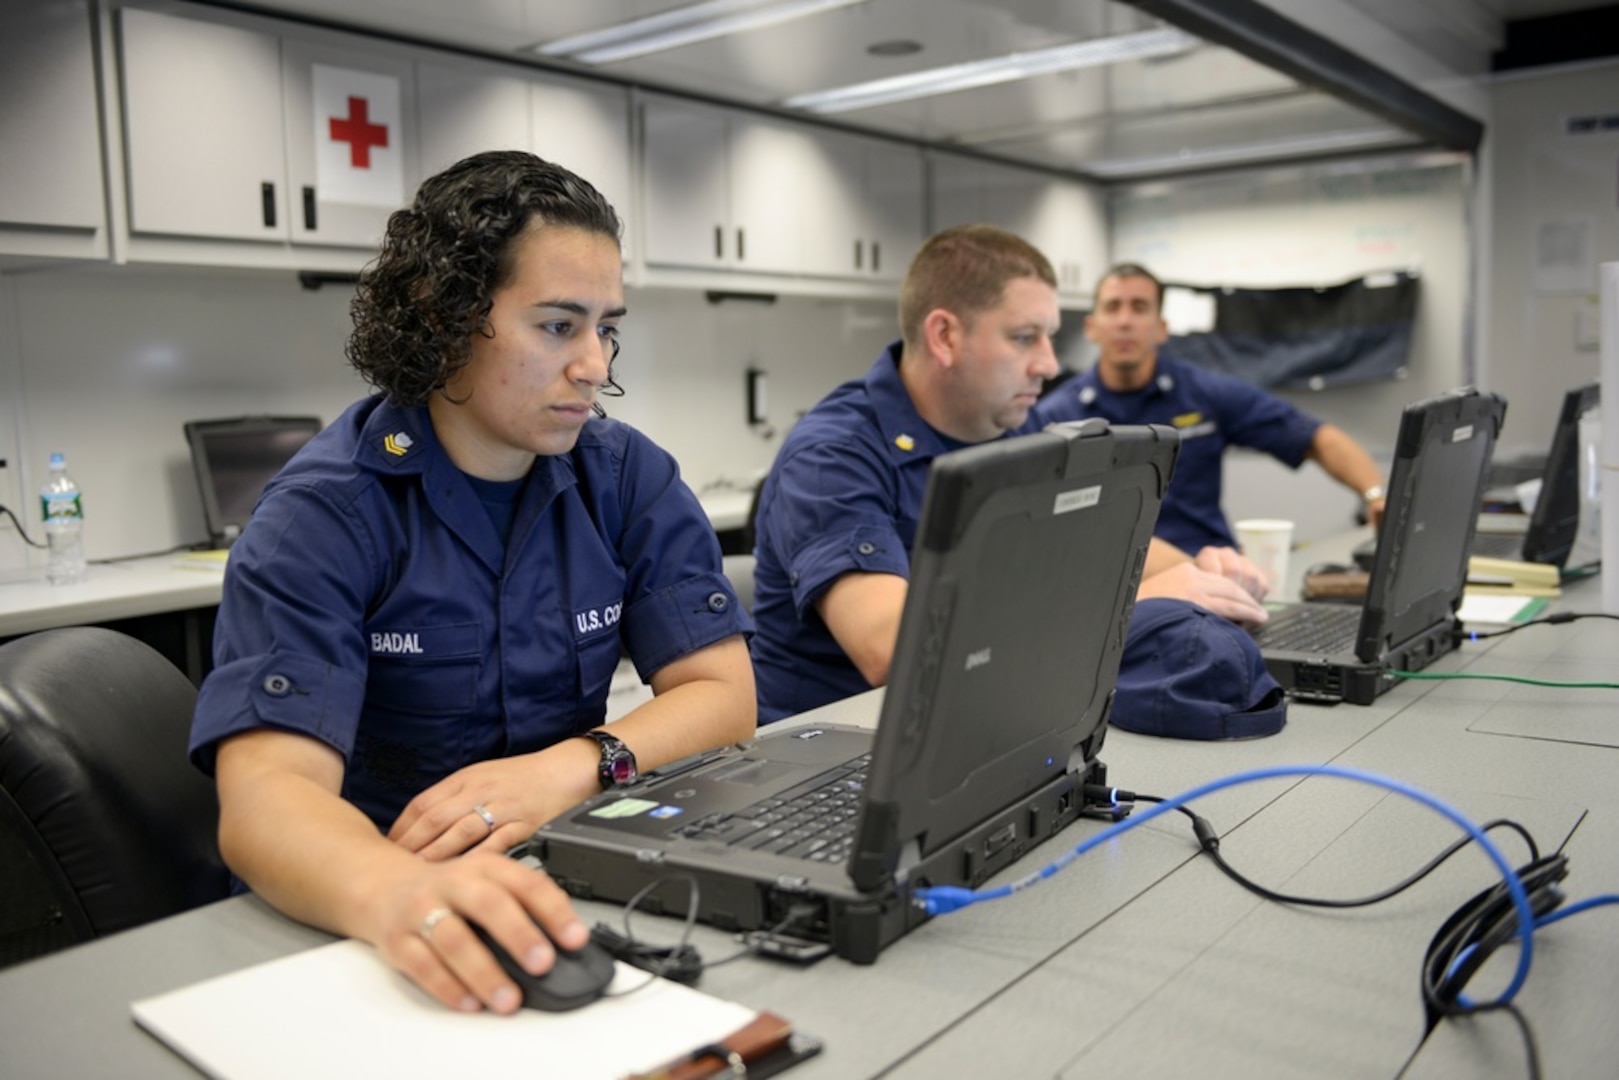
pixel 15 558
pixel 9 496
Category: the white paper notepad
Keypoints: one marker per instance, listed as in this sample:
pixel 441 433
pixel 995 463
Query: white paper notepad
pixel 340 1011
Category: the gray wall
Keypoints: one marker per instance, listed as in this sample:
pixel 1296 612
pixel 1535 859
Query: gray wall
pixel 106 364
pixel 1554 219
pixel 1319 225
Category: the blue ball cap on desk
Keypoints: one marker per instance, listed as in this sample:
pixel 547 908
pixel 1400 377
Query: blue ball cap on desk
pixel 1190 674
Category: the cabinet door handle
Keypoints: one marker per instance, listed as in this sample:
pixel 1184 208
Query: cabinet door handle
pixel 858 250
pixel 876 257
pixel 719 242
pixel 267 198
pixel 309 209
pixel 741 251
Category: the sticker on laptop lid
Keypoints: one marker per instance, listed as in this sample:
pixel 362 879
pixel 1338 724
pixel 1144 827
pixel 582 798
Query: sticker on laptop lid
pixel 1462 434
pixel 1079 499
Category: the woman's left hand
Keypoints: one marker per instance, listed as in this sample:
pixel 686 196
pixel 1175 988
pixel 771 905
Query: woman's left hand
pixel 497 804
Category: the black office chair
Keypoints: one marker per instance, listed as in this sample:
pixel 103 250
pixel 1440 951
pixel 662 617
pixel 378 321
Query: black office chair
pixel 104 824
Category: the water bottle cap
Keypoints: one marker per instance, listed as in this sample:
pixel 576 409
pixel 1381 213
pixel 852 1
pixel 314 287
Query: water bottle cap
pixel 56 461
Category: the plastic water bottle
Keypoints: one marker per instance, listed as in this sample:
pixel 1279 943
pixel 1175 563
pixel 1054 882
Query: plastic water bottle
pixel 64 525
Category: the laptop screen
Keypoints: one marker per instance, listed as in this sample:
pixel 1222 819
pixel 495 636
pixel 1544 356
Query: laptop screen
pixel 1555 523
pixel 234 459
pixel 1022 580
pixel 1440 467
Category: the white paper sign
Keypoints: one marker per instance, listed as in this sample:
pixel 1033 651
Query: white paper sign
pixel 358 157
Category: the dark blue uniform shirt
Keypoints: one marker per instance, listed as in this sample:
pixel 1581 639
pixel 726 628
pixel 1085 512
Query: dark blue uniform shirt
pixel 371 604
pixel 844 495
pixel 1211 411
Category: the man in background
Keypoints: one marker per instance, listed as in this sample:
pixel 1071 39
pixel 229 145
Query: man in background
pixel 1132 383
pixel 839 509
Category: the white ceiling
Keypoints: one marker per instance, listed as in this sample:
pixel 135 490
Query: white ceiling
pixel 1207 107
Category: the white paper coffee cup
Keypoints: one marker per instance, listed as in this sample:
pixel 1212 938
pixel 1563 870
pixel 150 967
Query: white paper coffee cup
pixel 1266 542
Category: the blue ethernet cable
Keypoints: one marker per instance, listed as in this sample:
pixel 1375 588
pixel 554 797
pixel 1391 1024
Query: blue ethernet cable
pixel 943 899
pixel 1575 909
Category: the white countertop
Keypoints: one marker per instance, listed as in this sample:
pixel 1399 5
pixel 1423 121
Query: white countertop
pixel 119 590
pixel 727 509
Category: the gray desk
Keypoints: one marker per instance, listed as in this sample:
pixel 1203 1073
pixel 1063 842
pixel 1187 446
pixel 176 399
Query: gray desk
pixel 112 591
pixel 1139 957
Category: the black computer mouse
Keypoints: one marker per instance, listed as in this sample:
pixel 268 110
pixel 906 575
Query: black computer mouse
pixel 576 978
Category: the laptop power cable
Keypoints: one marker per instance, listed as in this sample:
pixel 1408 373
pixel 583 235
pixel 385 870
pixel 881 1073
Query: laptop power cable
pixel 682 962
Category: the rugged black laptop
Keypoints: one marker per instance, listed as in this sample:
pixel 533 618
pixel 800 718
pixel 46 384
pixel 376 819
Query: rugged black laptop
pixel 234 459
pixel 1023 578
pixel 1554 526
pixel 1335 652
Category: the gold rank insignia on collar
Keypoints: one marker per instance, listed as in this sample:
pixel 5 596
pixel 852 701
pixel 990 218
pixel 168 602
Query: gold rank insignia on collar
pixel 904 442
pixel 397 443
pixel 1187 419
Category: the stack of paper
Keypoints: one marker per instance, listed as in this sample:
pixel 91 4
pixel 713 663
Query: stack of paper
pixel 211 559
pixel 1498 610
pixel 339 1011
pixel 1486 576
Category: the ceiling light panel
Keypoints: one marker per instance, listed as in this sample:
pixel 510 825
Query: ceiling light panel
pixel 995 70
pixel 682 26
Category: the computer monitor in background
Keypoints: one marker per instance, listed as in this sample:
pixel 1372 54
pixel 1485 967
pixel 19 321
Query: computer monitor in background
pixel 1554 526
pixel 235 458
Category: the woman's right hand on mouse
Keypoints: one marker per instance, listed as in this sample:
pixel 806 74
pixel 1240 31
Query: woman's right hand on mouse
pixel 423 928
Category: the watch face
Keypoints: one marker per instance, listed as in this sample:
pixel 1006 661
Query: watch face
pixel 621 770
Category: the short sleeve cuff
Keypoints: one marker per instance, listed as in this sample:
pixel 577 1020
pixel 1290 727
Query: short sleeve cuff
pixel 869 549
pixel 681 619
pixel 287 691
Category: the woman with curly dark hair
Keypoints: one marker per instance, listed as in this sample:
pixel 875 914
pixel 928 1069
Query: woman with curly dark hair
pixel 421 621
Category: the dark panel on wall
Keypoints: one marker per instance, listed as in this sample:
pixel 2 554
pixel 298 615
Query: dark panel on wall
pixel 1560 39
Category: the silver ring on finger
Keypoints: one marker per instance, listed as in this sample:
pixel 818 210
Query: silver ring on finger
pixel 434 917
pixel 488 819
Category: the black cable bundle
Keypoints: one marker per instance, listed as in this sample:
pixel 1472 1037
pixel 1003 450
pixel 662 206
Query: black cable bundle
pixel 1480 926
pixel 1472 934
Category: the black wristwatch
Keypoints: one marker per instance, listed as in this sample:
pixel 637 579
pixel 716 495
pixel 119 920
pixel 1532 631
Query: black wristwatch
pixel 617 766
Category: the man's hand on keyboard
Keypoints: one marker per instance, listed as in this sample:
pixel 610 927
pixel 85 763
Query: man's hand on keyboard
pixel 1220 594
pixel 1234 565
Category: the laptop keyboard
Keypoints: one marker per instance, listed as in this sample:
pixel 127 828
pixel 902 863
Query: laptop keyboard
pixel 812 821
pixel 1311 628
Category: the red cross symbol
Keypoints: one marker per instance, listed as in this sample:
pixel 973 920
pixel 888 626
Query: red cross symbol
pixel 359 132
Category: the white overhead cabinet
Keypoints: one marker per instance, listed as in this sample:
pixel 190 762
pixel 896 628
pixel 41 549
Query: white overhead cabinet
pixel 202 128
pixel 351 126
pixel 233 133
pixel 1065 219
pixel 468 108
pixel 51 197
pixel 719 189
pixel 585 127
pixel 861 208
pixel 734 192
pixel 895 207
